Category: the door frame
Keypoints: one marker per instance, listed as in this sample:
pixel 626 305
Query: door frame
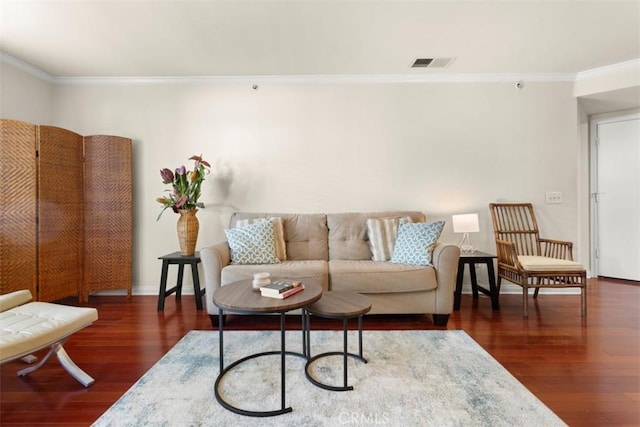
pixel 594 122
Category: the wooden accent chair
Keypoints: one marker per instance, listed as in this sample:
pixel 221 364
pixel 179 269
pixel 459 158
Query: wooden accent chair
pixel 529 261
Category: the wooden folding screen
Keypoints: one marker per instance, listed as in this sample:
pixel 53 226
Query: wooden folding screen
pixel 18 207
pixel 60 209
pixel 66 221
pixel 108 224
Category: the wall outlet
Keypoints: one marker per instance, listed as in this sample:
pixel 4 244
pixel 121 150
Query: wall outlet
pixel 553 197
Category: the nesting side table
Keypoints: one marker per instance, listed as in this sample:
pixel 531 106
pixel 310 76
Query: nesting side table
pixel 342 306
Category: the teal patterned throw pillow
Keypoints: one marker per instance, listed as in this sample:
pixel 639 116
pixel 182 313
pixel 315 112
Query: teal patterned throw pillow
pixel 252 244
pixel 278 234
pixel 415 242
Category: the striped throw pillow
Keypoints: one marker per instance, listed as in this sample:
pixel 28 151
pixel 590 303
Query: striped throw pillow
pixel 382 236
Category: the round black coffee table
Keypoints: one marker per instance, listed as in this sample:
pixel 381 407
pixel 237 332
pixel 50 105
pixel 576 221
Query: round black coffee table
pixel 239 297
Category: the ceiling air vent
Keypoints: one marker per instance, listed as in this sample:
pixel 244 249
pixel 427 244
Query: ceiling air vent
pixel 432 62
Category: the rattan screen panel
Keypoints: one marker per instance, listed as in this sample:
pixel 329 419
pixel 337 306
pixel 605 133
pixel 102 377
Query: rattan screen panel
pixel 18 268
pixel 108 218
pixel 60 254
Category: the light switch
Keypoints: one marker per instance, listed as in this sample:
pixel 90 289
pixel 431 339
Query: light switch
pixel 553 197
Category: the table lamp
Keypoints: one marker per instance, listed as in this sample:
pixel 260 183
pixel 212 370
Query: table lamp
pixel 466 223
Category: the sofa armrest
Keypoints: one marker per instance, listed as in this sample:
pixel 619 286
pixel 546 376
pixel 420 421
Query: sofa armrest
pixel 445 261
pixel 214 259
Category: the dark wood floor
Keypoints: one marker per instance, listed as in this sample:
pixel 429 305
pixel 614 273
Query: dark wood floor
pixel 586 370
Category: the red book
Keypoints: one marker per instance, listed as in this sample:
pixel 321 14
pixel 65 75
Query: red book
pixel 285 294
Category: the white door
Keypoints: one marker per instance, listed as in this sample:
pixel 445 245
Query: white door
pixel 618 198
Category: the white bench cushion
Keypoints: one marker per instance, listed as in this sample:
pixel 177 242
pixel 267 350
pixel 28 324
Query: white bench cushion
pixel 14 299
pixel 30 327
pixel 542 263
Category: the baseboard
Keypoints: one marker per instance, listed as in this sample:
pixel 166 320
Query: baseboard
pixel 505 289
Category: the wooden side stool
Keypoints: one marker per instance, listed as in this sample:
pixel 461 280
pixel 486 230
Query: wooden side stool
pixel 471 260
pixel 181 261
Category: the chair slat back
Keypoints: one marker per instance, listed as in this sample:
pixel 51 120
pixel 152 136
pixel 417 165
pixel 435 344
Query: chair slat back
pixel 516 222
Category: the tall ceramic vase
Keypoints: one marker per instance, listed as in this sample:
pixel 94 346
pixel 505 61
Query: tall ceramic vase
pixel 188 227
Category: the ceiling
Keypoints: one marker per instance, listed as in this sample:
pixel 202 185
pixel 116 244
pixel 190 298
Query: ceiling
pixel 316 37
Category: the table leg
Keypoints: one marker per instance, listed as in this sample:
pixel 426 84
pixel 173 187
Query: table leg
pixel 344 353
pixel 344 357
pixel 305 334
pixel 457 296
pixel 495 293
pixel 220 333
pixel 474 279
pixel 196 285
pixel 163 284
pixel 223 371
pixel 282 361
pixel 360 337
pixel 179 281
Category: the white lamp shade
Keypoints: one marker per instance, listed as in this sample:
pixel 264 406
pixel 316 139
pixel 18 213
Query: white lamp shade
pixel 466 223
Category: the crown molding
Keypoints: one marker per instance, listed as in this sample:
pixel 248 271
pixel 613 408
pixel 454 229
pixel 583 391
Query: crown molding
pixel 319 79
pixel 608 69
pixel 290 79
pixel 27 68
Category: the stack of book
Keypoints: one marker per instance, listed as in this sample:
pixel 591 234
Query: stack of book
pixel 281 289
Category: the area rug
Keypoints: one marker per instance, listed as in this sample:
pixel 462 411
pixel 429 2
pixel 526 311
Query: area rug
pixel 413 378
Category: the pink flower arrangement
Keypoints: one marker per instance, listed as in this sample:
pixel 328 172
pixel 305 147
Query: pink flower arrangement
pixel 185 190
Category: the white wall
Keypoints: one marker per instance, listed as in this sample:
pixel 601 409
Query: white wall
pixel 443 148
pixel 24 97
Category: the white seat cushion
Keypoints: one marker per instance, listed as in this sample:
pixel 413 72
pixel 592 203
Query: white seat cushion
pixel 30 327
pixel 543 263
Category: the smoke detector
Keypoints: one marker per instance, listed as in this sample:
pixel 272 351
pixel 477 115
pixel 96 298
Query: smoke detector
pixel 432 62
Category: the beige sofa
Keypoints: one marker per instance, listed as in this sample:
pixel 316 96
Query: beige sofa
pixel 334 249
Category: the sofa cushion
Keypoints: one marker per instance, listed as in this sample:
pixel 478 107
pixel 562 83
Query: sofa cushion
pixel 305 234
pixel 348 232
pixel 289 269
pixel 278 234
pixel 382 234
pixel 415 242
pixel 252 244
pixel 368 276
